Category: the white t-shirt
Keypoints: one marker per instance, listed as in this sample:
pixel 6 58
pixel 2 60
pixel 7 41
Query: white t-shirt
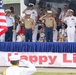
pixel 10 21
pixel 70 21
pixel 63 32
pixel 33 14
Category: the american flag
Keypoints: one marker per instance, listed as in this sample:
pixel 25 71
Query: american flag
pixel 3 24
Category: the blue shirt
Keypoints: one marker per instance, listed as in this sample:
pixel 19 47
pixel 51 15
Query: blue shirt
pixel 10 21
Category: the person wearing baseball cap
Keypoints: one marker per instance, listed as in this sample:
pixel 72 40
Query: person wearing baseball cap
pixel 70 20
pixel 32 11
pixel 16 70
pixel 49 12
pixel 33 16
pixel 29 26
pixel 28 13
pixel 31 4
pixel 7 11
pixel 70 10
pixel 50 25
pixel 10 24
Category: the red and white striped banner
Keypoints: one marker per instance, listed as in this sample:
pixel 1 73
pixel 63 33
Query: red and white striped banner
pixel 41 59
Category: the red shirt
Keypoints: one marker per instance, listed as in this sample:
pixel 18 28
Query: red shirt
pixel 21 31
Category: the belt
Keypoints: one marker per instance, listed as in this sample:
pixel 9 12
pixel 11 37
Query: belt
pixel 71 26
pixel 28 28
pixel 49 27
pixel 10 26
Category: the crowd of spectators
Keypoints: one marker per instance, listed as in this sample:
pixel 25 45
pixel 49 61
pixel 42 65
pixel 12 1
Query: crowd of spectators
pixel 39 25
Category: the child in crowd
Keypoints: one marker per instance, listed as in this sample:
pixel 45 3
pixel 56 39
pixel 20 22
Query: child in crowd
pixel 61 38
pixel 42 33
pixel 20 34
pixel 42 37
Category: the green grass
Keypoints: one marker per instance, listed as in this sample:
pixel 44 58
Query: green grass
pixel 46 73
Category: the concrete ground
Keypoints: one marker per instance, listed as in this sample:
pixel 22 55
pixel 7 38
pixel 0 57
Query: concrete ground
pixel 64 70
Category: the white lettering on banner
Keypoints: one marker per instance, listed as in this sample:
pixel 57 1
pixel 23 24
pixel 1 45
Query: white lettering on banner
pixel 42 59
